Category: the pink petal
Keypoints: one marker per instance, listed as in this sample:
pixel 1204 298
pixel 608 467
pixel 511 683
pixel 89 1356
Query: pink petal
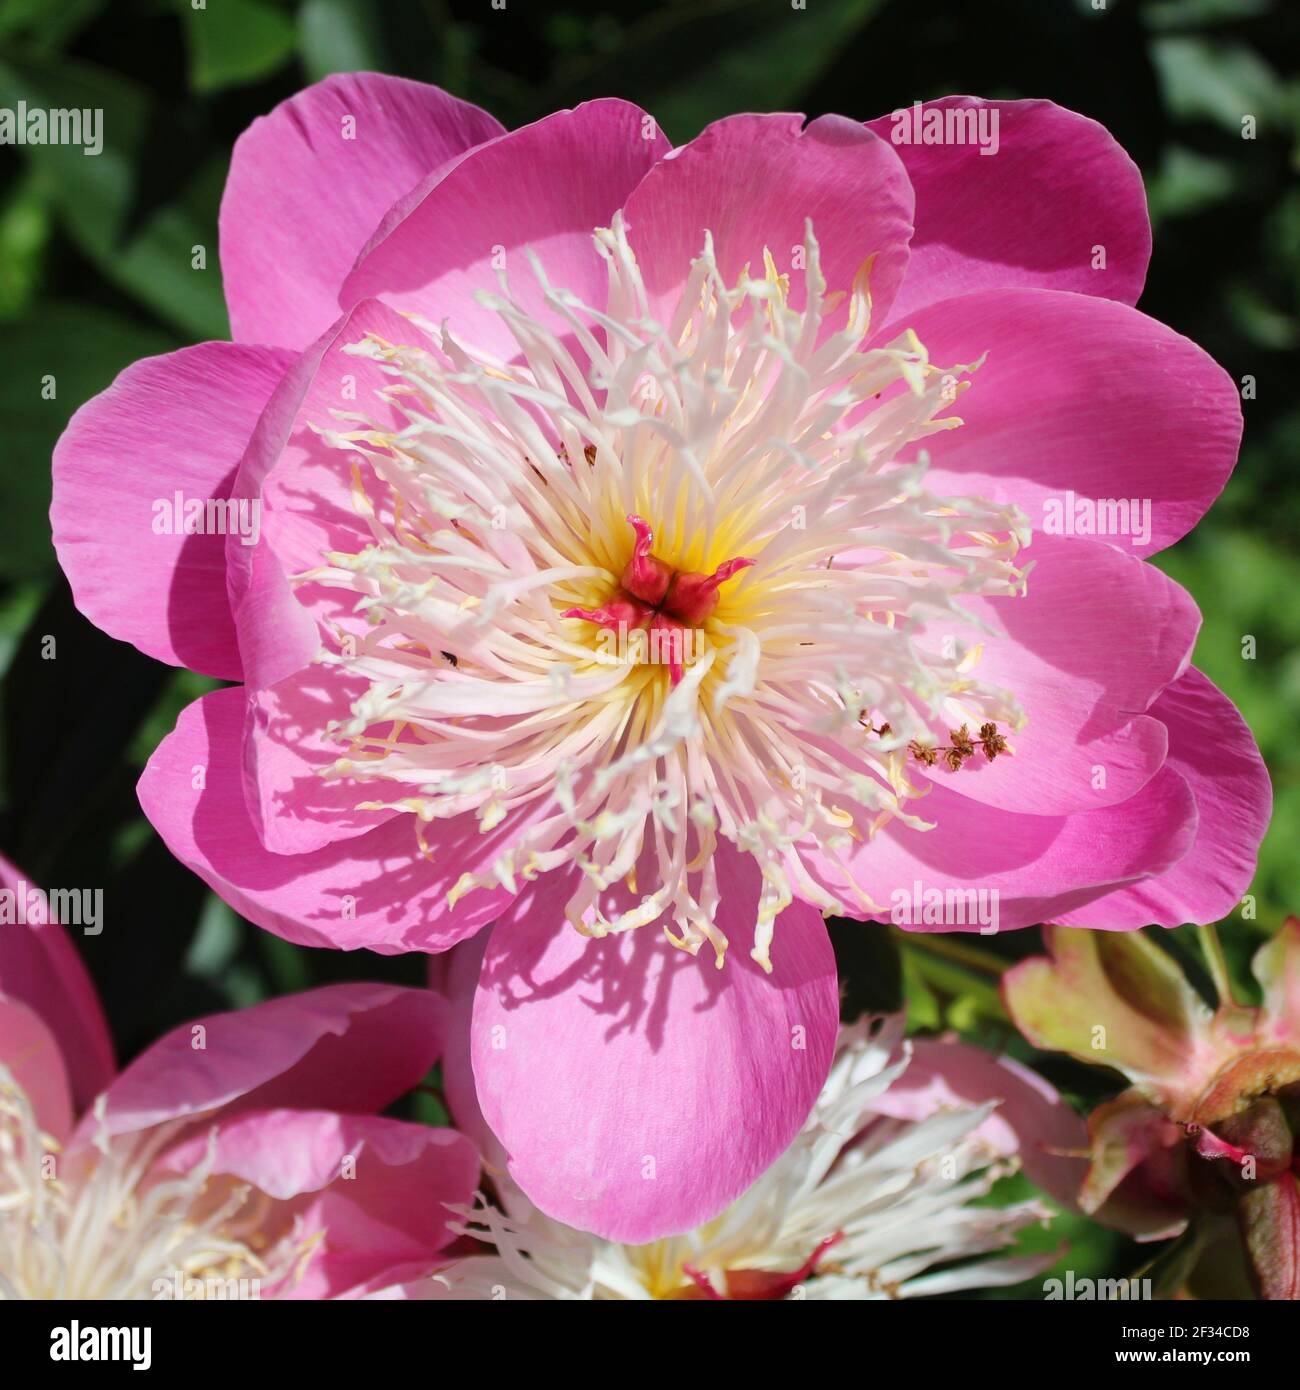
pixel 30 1052
pixel 1031 1119
pixel 1031 867
pixel 170 424
pixel 306 190
pixel 382 1219
pixel 753 181
pixel 351 1047
pixel 1083 691
pixel 1086 396
pixel 1029 213
pixel 374 890
pixel 40 967
pixel 287 748
pixel 305 490
pixel 1213 749
pixel 1137 1179
pixel 543 188
pixel 455 975
pixel 638 1089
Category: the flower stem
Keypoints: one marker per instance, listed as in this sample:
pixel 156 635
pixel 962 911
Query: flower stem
pixel 1217 963
pixel 985 962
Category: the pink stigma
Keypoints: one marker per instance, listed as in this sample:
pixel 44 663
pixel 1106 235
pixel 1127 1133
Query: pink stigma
pixel 646 577
pixel 759 1285
pixel 653 595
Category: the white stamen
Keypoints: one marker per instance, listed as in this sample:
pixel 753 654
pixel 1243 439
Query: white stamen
pixel 104 1222
pixel 745 428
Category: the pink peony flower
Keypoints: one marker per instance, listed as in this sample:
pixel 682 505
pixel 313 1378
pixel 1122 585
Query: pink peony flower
pixel 603 546
pixel 242 1155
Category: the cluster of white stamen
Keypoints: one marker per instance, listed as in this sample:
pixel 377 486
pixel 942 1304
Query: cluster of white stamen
pixel 743 427
pixel 111 1226
pixel 901 1195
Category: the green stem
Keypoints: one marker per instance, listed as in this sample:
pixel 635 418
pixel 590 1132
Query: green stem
pixel 936 973
pixel 1217 964
pixel 970 956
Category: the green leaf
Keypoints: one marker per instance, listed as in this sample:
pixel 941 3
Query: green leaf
pixel 216 939
pixel 1269 1217
pixel 48 26
pixel 1181 14
pixel 1172 1266
pixel 182 689
pixel 338 36
pixel 426 1101
pixel 74 351
pixel 147 250
pixel 1259 321
pixel 1188 183
pixel 923 1009
pixel 24 235
pixel 235 42
pixel 17 608
pixel 1249 644
pixel 1204 80
pixel 691 64
pixel 1090 1250
pixel 286 963
pixel 929 978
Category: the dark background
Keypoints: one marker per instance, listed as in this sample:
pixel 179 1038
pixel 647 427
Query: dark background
pixel 95 271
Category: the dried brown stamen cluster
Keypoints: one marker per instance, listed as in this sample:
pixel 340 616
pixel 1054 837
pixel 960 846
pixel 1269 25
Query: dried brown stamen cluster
pixel 961 748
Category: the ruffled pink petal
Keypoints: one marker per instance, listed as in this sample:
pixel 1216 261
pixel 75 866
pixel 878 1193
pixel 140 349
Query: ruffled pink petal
pixel 1030 868
pixel 1032 210
pixel 754 182
pixel 1086 742
pixel 374 890
pixel 455 975
pixel 370 1259
pixel 167 425
pixel 287 749
pixel 373 1194
pixel 355 1047
pixel 1031 1120
pixel 39 967
pixel 1081 396
pixel 30 1053
pixel 638 1089
pixel 309 184
pixel 543 188
pixel 305 487
pixel 1213 749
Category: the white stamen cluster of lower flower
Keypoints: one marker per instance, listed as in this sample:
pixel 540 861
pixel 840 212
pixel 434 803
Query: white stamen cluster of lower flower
pixel 109 1227
pixel 742 427
pixel 863 1206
